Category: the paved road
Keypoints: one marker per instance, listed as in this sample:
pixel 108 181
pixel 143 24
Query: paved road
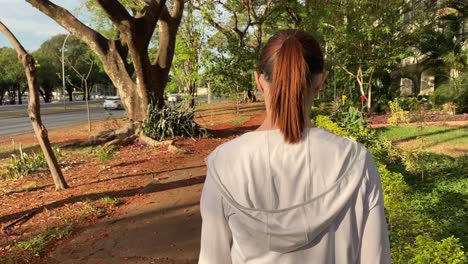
pixel 24 106
pixel 22 124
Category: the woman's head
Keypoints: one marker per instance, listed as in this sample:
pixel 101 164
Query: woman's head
pixel 291 63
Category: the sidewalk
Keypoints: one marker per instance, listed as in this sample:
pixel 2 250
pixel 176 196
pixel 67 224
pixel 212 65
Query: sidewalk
pixel 161 226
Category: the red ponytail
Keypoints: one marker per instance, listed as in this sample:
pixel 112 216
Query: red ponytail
pixel 288 88
pixel 289 61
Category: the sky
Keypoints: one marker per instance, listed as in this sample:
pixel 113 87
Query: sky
pixel 30 26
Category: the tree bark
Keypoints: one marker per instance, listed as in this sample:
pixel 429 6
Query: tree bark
pixel 34 109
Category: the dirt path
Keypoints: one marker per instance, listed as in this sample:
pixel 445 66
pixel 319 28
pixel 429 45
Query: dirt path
pixel 161 225
pixel 158 227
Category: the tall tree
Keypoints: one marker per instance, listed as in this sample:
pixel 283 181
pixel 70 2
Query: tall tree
pixel 125 55
pixel 186 64
pixel 50 71
pixel 81 64
pixel 363 39
pixel 34 109
pixel 12 78
pixel 238 40
pixel 77 56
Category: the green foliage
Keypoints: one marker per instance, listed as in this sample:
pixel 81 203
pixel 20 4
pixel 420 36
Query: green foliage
pixel 326 123
pixel 427 250
pixel 109 201
pixel 89 209
pixel 233 49
pixel 105 154
pixel 398 114
pixel 169 122
pixel 26 251
pixel 413 103
pixel 25 164
pixel 78 59
pixel 12 75
pixel 353 122
pixel 454 91
pixel 186 63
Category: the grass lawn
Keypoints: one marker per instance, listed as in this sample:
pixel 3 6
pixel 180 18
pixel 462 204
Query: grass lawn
pixel 452 140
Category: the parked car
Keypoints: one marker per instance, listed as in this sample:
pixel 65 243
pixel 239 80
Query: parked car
pixel 173 97
pixel 113 102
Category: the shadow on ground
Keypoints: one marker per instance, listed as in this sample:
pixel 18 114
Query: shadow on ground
pixel 115 194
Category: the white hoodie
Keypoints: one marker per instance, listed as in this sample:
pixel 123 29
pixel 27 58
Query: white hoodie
pixel 266 201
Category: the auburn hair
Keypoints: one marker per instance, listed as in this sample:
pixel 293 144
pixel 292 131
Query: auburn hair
pixel 290 61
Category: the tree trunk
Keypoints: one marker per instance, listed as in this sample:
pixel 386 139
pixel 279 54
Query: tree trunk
pixel 87 105
pixel 47 96
pixel 34 109
pixel 369 98
pixel 70 95
pixel 20 100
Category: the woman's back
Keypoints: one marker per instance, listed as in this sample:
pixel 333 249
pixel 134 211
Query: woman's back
pixel 288 193
pixel 293 203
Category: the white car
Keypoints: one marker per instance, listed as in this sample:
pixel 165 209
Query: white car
pixel 173 97
pixel 113 102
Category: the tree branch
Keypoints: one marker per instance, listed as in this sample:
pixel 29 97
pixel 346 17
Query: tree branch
pixel 117 13
pixel 348 72
pixel 177 10
pixel 148 18
pixel 13 40
pixel 226 32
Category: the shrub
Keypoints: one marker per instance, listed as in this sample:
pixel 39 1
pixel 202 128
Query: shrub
pixel 25 164
pixel 109 201
pixel 455 91
pixel 105 154
pixel 398 115
pixel 427 250
pixel 351 119
pixel 168 122
pixel 27 251
pixel 326 123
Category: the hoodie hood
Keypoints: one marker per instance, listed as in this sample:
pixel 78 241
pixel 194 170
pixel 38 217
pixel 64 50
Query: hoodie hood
pixel 280 197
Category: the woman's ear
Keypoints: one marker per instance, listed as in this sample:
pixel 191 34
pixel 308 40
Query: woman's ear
pixel 259 82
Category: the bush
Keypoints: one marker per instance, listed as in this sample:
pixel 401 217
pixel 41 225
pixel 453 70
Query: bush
pixel 398 115
pixel 326 123
pixel 351 119
pixel 168 122
pixel 105 154
pixel 455 91
pixel 25 164
pixel 427 250
pixel 351 124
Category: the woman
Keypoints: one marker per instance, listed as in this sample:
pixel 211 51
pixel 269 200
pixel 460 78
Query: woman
pixel 289 192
